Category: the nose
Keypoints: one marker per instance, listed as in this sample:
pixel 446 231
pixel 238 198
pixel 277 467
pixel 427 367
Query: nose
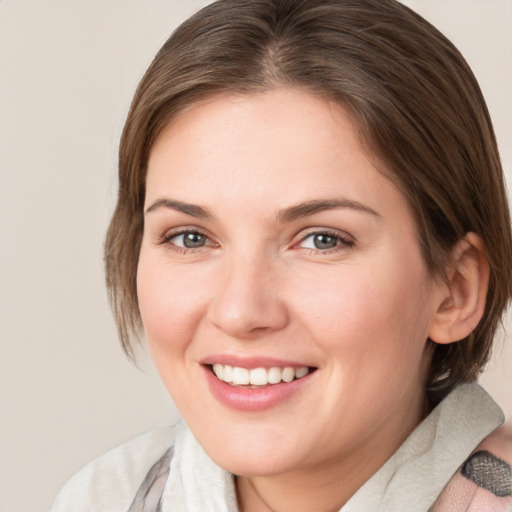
pixel 247 302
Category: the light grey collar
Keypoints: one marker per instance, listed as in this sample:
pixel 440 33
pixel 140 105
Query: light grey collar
pixel 196 483
pixel 410 480
pixel 419 470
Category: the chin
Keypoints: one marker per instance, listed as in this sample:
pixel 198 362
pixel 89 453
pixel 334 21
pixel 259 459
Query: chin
pixel 252 457
pixel 247 464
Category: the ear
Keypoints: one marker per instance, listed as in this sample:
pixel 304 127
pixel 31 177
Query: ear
pixel 462 296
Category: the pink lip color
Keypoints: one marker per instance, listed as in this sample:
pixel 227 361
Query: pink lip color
pixel 247 399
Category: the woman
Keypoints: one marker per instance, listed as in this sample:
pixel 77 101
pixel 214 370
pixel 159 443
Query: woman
pixel 309 192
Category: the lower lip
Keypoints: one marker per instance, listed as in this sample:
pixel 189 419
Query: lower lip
pixel 253 399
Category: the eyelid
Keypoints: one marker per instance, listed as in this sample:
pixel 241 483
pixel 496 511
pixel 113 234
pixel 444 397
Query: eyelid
pixel 345 240
pixel 167 237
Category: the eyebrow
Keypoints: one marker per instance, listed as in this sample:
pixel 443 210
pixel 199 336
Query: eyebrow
pixel 189 209
pixel 315 206
pixel 290 214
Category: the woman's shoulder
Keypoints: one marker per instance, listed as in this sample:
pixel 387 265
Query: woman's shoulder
pixel 111 481
pixel 484 481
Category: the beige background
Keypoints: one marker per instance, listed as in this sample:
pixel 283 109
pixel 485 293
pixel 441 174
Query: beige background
pixel 68 69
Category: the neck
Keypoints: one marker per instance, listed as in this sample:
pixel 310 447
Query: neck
pixel 297 492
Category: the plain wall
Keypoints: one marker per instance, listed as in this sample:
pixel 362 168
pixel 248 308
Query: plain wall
pixel 68 70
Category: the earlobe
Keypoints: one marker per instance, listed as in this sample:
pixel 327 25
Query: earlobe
pixel 462 298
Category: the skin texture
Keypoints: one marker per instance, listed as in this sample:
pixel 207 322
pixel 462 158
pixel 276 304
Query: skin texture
pixel 360 312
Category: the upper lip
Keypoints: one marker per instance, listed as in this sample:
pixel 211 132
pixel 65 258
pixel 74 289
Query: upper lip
pixel 251 362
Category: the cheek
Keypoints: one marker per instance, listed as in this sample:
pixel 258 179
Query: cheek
pixel 171 307
pixel 169 303
pixel 367 317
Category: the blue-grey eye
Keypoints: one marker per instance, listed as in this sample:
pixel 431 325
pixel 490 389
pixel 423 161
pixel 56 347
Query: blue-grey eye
pixel 190 240
pixel 323 241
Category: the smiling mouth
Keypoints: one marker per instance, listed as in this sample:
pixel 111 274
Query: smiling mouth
pixel 258 377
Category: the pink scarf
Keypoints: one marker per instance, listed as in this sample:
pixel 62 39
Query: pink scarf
pixel 484 482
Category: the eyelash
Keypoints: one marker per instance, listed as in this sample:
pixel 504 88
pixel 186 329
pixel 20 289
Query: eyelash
pixel 342 241
pixel 167 239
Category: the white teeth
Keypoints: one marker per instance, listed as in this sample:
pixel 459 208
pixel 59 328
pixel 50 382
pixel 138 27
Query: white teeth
pixel 258 376
pixel 288 374
pixel 218 369
pixel 301 372
pixel 274 375
pixel 227 374
pixel 238 376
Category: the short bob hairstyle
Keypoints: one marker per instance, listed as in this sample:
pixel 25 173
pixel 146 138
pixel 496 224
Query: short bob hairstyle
pixel 414 99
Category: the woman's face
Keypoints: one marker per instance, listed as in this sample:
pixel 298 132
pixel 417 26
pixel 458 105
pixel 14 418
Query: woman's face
pixel 273 249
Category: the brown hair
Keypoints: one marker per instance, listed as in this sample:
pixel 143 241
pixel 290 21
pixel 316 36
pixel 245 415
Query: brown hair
pixel 415 100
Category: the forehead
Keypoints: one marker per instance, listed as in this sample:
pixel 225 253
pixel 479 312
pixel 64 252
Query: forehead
pixel 274 149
